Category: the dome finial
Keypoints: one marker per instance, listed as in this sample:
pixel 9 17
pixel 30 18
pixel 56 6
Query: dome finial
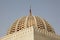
pixel 30 8
pixel 30 11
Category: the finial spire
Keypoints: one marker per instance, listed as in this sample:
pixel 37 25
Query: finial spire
pixel 30 8
pixel 30 11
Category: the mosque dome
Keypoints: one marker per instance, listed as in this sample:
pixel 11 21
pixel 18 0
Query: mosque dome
pixel 29 21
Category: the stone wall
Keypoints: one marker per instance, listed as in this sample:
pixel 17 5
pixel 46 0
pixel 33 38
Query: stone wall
pixel 26 34
pixel 31 33
pixel 44 35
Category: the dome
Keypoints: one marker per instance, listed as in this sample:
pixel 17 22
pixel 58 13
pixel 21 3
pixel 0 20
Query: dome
pixel 29 21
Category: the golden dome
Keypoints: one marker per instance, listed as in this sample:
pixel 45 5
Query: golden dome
pixel 29 21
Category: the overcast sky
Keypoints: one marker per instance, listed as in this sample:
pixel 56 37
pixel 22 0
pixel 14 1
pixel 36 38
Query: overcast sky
pixel 10 10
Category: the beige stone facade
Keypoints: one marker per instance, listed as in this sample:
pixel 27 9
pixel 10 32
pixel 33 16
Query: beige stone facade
pixel 26 34
pixel 31 33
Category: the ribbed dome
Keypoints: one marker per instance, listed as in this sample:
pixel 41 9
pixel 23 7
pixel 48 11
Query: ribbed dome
pixel 29 21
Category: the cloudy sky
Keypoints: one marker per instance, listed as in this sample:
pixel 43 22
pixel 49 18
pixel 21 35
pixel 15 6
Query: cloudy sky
pixel 10 10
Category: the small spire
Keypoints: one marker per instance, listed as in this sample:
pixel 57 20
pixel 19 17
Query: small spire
pixel 30 8
pixel 30 11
